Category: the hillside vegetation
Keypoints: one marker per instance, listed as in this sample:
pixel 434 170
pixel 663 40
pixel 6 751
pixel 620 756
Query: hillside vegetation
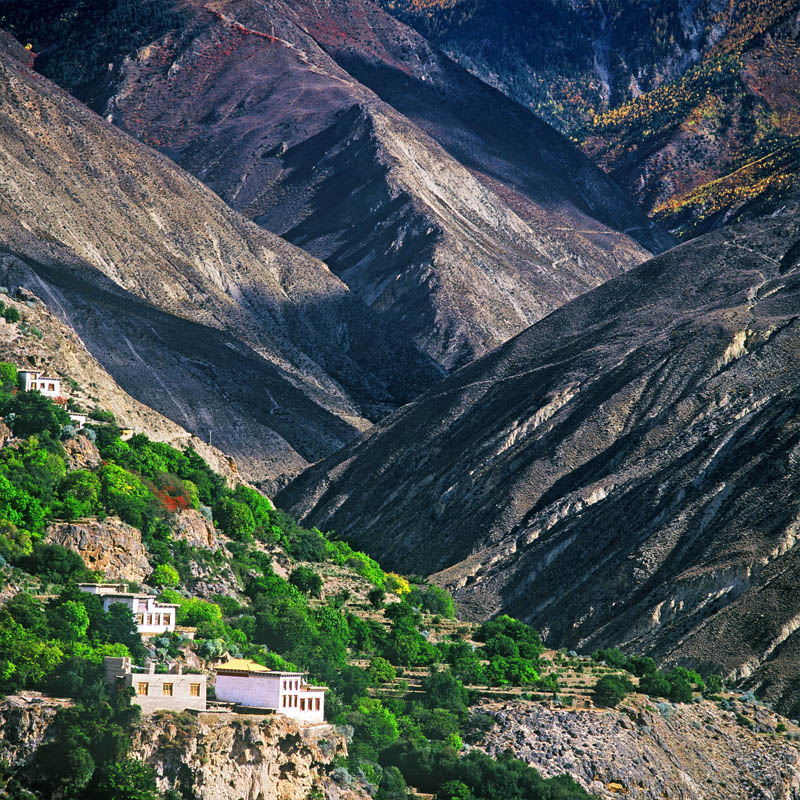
pixel 402 671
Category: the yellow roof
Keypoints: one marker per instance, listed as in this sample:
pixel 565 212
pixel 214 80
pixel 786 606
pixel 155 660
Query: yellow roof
pixel 243 665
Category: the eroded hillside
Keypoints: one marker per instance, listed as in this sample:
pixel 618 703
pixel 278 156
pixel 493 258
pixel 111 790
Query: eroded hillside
pixel 691 106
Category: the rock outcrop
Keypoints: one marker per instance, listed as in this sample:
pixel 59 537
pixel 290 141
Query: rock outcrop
pixel 81 453
pixel 111 547
pixel 649 751
pixel 624 472
pixel 195 529
pixel 219 756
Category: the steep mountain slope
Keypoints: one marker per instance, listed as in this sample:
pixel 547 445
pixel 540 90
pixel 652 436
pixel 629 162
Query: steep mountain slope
pixel 221 326
pixel 43 342
pixel 624 471
pixel 448 208
pixel 692 106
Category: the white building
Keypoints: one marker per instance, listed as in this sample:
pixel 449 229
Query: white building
pixel 31 381
pixel 78 420
pixel 249 684
pixel 151 617
pixel 156 691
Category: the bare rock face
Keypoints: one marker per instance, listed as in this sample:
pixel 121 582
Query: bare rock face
pixel 225 755
pixel 112 547
pixel 623 472
pixel 81 453
pixel 648 753
pixel 195 529
pixel 25 721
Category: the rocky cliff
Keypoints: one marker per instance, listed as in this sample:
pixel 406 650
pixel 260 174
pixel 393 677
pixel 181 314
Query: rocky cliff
pixel 110 547
pixel 218 756
pixel 453 212
pixel 645 752
pixel 623 472
pixel 209 756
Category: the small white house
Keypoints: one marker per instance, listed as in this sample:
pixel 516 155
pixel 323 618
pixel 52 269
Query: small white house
pixel 78 420
pixel 31 381
pixel 249 684
pixel 151 616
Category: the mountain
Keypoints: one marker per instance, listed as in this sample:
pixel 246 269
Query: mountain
pixel 623 472
pixel 226 329
pixel 691 106
pixel 452 211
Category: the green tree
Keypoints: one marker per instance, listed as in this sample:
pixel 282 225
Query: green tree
pixel 235 519
pixel 80 494
pixel 306 580
pixel 442 690
pixel 69 620
pixel 8 378
pixel 655 684
pixel 454 790
pixel 611 690
pixel 126 780
pixel 11 314
pixel 34 413
pixel 124 494
pixel 381 671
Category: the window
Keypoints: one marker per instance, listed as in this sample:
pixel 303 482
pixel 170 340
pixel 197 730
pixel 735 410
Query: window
pixel 316 704
pixel 51 387
pixel 284 701
pixel 149 619
pixel 142 688
pixel 157 619
pixel 140 619
pixel 302 705
pixel 166 620
pixel 166 689
pixel 194 689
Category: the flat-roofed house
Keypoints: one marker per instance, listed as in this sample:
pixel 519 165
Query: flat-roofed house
pixel 151 616
pixel 31 381
pixel 157 691
pixel 249 684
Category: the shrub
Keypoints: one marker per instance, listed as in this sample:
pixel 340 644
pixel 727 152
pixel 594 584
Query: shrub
pixel 165 575
pixel 381 671
pixel 11 314
pixel 655 684
pixel 34 413
pixel 611 690
pixel 376 597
